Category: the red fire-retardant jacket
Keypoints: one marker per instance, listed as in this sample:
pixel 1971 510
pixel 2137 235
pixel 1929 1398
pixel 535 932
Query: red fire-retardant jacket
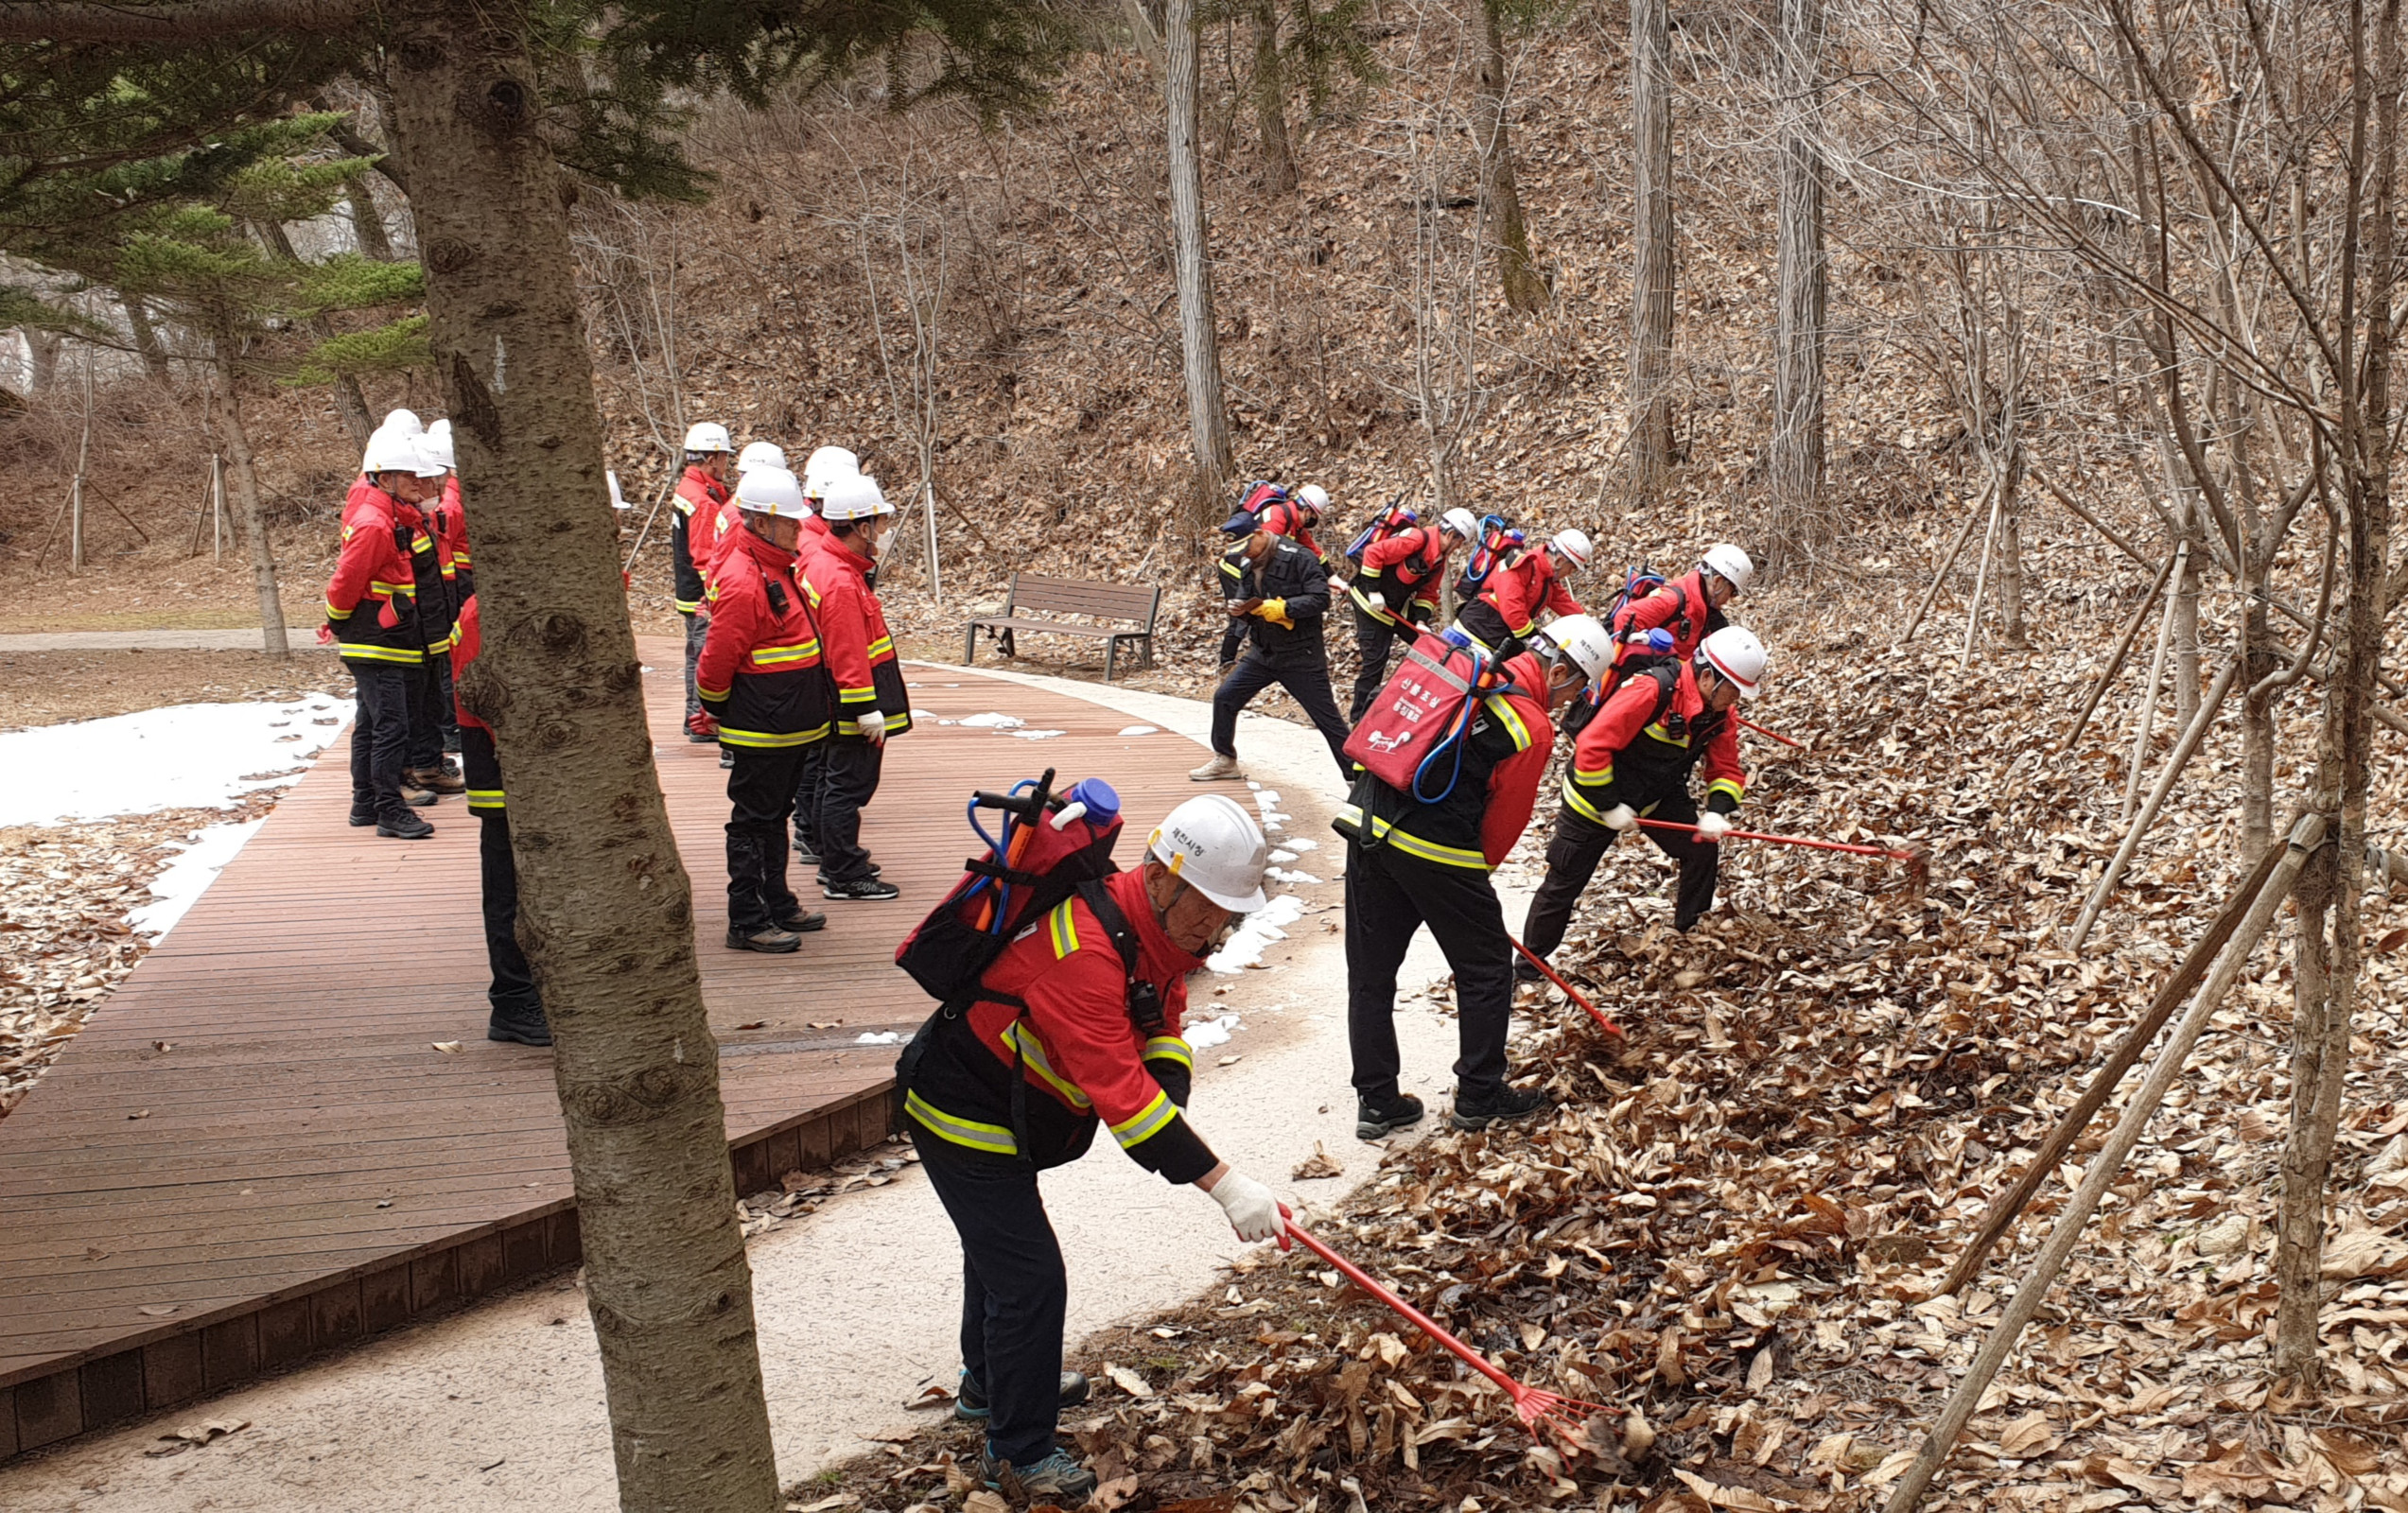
pixel 1682 606
pixel 1285 517
pixel 477 763
pixel 1084 1059
pixel 694 535
pixel 372 600
pixel 1401 572
pixel 759 674
pixel 1518 590
pixel 854 639
pixel 1629 754
pixel 451 541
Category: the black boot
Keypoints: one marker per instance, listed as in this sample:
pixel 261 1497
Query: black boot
pixel 1503 1105
pixel 971 1405
pixel 523 1023
pixel 403 825
pixel 1377 1117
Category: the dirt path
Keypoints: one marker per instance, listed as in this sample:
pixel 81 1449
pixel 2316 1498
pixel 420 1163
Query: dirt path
pixel 502 1404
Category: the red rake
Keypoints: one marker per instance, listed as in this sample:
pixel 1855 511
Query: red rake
pixel 1540 1410
pixel 1915 858
pixel 1785 740
pixel 1569 991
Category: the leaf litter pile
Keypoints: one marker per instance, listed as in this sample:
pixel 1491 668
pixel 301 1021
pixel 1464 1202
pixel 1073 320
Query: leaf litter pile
pixel 1733 1228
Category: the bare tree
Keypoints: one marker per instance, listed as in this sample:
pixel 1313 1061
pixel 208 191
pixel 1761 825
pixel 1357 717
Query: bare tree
pixel 1270 89
pixel 1650 397
pixel 250 507
pixel 1500 195
pixel 1199 338
pixel 1803 278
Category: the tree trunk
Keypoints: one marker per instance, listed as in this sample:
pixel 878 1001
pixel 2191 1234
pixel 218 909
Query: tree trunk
pixel 1804 277
pixel 2011 554
pixel 2186 615
pixel 1199 340
pixel 606 909
pixel 1141 30
pixel 41 359
pixel 349 402
pixel 367 221
pixel 145 336
pixel 1270 100
pixel 253 511
pixel 1652 244
pixel 2256 728
pixel 2307 1152
pixel 1500 195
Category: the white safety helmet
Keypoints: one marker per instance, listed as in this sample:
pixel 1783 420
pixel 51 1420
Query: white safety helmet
pixel 431 464
pixel 853 497
pixel 1213 846
pixel 771 491
pixel 1728 561
pixel 708 436
pixel 1462 522
pixel 391 451
pixel 1738 655
pixel 404 420
pixel 825 467
pixel 1589 644
pixel 1313 496
pixel 1573 546
pixel 437 445
pixel 760 453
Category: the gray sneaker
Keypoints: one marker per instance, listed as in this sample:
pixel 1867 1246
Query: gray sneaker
pixel 1219 769
pixel 1057 1478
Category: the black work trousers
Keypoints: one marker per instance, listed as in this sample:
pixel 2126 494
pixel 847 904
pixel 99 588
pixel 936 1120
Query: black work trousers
pixel 806 798
pixel 512 994
pixel 1389 896
pixel 447 703
pixel 1579 843
pixel 379 738
pixel 760 797
pixel 1305 678
pixel 1373 638
pixel 847 781
pixel 1015 1291
pixel 425 714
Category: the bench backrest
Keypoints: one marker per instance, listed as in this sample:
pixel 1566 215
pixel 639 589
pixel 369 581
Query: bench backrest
pixel 1080 596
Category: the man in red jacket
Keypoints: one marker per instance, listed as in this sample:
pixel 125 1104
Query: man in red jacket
pixel 761 678
pixel 1018 1083
pixel 1410 863
pixel 517 1007
pixel 1634 760
pixel 693 535
pixel 872 707
pixel 372 616
pixel 1530 580
pixel 1395 590
pixel 1688 609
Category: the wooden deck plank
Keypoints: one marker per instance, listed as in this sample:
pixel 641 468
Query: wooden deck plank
pixel 244 1164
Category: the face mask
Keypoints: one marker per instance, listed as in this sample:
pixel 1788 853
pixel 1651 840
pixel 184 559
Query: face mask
pixel 883 540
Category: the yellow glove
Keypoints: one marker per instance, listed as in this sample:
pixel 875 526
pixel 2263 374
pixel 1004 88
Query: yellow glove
pixel 1275 610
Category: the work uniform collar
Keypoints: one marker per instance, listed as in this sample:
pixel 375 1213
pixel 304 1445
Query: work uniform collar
pixel 406 513
pixel 717 490
pixel 834 546
pixel 764 550
pixel 1161 958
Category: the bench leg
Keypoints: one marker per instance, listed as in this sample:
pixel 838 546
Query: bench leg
pixel 1112 656
pixel 1006 642
pixel 969 645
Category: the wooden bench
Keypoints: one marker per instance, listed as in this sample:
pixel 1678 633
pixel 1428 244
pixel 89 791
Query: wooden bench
pixel 1073 596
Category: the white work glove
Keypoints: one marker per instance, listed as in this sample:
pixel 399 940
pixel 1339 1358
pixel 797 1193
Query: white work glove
pixel 1622 817
pixel 1713 827
pixel 1254 1213
pixel 874 727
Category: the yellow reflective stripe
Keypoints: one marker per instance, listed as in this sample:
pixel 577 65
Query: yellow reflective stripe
pixel 856 695
pixel 1063 929
pixel 1594 776
pixel 1146 1122
pixel 770 740
pixel 484 798
pixel 1373 605
pixel 376 586
pixel 1169 1047
pixel 1670 740
pixel 1511 721
pixel 714 695
pixel 334 614
pixel 460 559
pixel 969 1132
pixel 883 645
pixel 1021 1038
pixel 688 606
pixel 1230 568
pixel 1731 785
pixel 379 654
pixel 777 656
pixel 1413 845
pixel 422 542
pixel 682 505
pixel 448 569
pixel 1580 804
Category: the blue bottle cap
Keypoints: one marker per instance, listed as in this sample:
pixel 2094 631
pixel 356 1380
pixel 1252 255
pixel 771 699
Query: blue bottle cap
pixel 1103 804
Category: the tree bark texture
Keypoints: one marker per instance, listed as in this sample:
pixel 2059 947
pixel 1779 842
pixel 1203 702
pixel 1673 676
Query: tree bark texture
pixel 1270 100
pixel 2010 584
pixel 145 336
pixel 1651 243
pixel 2186 616
pixel 1199 340
pixel 367 221
pixel 253 511
pixel 1804 275
pixel 606 909
pixel 1500 194
pixel 41 359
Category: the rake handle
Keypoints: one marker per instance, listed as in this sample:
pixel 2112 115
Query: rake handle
pixel 1572 993
pixel 1413 1315
pixel 1774 734
pixel 1850 848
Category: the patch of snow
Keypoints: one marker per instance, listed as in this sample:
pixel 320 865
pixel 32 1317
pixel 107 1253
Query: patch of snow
pixel 879 1037
pixel 1282 874
pixel 1039 735
pixel 924 715
pixel 1266 799
pixel 1211 1033
pixel 1139 730
pixel 1298 842
pixel 182 882
pixel 186 755
pixel 1282 855
pixel 1254 936
pixel 994 721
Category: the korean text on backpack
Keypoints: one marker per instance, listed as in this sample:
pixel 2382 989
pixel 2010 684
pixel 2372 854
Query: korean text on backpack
pixel 1412 736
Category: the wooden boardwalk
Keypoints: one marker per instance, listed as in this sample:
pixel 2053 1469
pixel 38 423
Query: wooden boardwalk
pixel 253 1152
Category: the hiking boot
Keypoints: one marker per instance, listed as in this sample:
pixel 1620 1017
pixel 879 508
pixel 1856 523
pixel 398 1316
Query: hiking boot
pixel 1057 1478
pixel 419 798
pixel 806 854
pixel 1526 972
pixel 1506 1106
pixel 404 826
pixel 363 818
pixel 868 890
pixel 969 1403
pixel 775 940
pixel 1216 770
pixel 436 780
pixel 803 921
pixel 1377 1118
pixel 526 1026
